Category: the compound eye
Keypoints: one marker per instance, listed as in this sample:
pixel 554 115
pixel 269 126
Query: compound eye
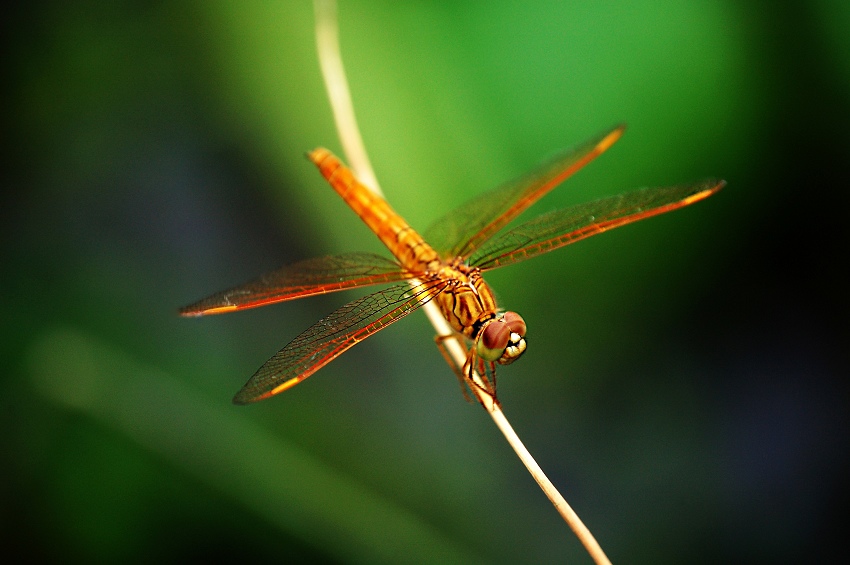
pixel 515 322
pixel 491 345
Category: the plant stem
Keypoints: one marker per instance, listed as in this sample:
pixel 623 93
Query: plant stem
pixel 327 40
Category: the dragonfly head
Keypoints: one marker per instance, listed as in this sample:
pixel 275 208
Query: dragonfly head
pixel 502 339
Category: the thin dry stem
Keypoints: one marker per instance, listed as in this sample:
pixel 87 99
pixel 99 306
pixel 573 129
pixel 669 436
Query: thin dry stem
pixel 327 40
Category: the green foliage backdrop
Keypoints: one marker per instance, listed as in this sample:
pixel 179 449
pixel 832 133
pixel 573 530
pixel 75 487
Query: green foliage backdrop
pixel 686 383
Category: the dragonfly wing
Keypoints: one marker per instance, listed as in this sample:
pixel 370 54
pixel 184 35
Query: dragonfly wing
pixel 561 227
pixel 305 278
pixel 330 337
pixel 464 229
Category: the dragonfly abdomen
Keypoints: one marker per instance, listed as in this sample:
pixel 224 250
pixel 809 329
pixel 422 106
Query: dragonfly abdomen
pixel 402 240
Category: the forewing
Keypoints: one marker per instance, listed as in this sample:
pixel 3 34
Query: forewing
pixel 464 229
pixel 330 337
pixel 561 227
pixel 305 278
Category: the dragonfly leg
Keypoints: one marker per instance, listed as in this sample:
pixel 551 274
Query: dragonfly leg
pixel 487 373
pixel 490 376
pixel 458 370
pixel 481 375
pixel 485 370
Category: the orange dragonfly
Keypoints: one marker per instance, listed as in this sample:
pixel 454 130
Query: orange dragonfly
pixel 445 266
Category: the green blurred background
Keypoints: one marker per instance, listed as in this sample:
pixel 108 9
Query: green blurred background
pixel 686 382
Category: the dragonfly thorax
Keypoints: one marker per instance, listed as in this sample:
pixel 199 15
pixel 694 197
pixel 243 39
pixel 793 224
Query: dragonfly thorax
pixel 467 302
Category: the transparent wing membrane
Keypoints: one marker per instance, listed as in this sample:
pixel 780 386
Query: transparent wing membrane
pixel 330 337
pixel 464 229
pixel 306 278
pixel 561 227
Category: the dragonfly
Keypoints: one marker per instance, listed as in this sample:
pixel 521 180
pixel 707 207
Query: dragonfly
pixel 445 265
